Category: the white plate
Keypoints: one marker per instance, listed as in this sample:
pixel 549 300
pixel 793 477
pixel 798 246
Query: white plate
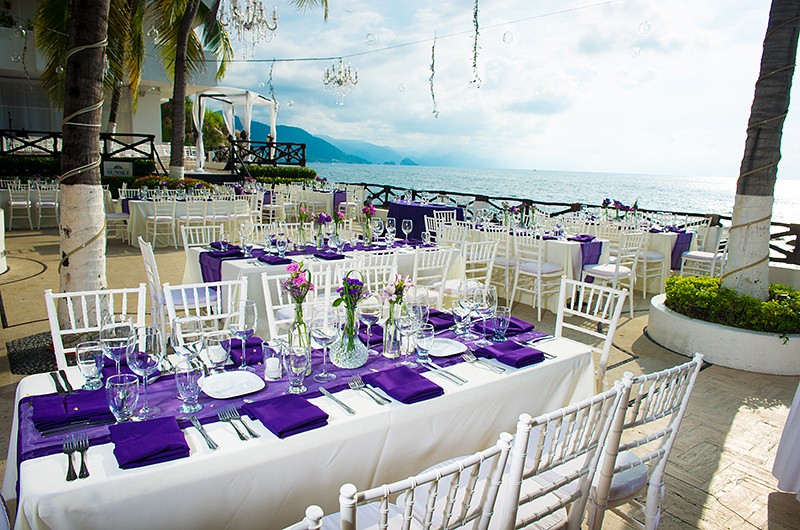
pixel 231 384
pixel 446 348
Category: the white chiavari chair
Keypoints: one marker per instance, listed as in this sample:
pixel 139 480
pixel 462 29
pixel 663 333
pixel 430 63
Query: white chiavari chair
pixel 432 228
pixel 599 309
pixel 83 311
pixel 622 272
pixel 645 427
pixel 280 308
pixel 450 235
pixel 201 236
pixel 533 274
pixel 431 267
pixel 505 263
pixel 195 214
pixel 445 216
pixel 47 205
pixel 311 521
pixel 449 495
pixel 162 221
pixel 214 303
pixel 117 223
pixel 706 263
pixel 378 268
pixel 19 200
pixel 650 265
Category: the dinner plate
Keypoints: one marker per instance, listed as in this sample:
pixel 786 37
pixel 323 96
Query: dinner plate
pixel 231 384
pixel 446 348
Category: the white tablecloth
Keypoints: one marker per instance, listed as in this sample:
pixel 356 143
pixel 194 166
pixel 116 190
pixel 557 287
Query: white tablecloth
pixel 787 460
pixel 139 210
pixel 268 482
pixel 22 221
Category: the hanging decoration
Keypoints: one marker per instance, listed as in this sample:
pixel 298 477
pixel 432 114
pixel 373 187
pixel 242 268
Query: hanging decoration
pixel 476 80
pixel 269 82
pixel 340 79
pixel 248 23
pixel 435 110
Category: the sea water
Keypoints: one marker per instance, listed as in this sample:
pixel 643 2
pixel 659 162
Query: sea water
pixel 654 192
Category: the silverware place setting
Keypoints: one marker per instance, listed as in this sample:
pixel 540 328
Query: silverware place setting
pixel 356 383
pixel 470 358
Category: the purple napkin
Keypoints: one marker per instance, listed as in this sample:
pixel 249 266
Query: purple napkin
pixel 655 230
pixel 440 319
pixel 142 443
pixel 582 238
pixel 287 415
pixel 55 411
pixel 404 384
pixel 546 238
pixel 230 253
pixel 274 260
pixel 328 255
pixel 515 327
pixel 376 337
pixel 253 353
pixel 675 229
pixel 512 354
pixel 218 245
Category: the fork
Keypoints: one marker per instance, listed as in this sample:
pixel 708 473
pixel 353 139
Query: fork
pixel 68 447
pixel 224 415
pixel 235 415
pixel 82 445
pixel 470 358
pixel 356 383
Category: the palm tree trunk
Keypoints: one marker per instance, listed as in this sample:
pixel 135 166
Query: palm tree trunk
pixel 113 111
pixel 82 223
pixel 176 163
pixel 747 269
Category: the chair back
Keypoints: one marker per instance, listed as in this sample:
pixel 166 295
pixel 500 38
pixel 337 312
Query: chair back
pixel 446 496
pixel 445 216
pixel 198 236
pixel 279 305
pixel 658 399
pixel 19 195
pixel 82 313
pixel 164 208
pixel 431 266
pixel 378 268
pixel 312 520
pixel 214 303
pixel 600 308
pixel 478 260
pixel 554 460
pixel 630 247
pixel 157 305
pixel 450 235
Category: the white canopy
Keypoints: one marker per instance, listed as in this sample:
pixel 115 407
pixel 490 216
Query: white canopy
pixel 230 98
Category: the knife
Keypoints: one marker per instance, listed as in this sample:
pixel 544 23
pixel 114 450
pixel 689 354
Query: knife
pixel 70 390
pixel 61 429
pixel 59 389
pixel 339 402
pixel 199 426
pixel 441 371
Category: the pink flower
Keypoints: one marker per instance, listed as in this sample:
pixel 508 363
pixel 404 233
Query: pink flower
pixel 293 267
pixel 299 280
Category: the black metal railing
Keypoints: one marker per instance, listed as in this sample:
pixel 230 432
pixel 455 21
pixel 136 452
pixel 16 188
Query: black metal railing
pixel 267 153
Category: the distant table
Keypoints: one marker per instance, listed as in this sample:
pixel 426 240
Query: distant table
pixel 417 212
pixel 787 460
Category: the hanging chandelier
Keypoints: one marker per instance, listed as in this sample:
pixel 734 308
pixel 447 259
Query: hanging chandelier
pixel 340 79
pixel 248 22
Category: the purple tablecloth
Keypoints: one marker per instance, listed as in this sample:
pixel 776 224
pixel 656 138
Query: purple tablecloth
pixel 417 213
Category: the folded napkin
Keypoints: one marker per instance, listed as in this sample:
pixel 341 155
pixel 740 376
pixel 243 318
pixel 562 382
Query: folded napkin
pixel 404 384
pixel 218 245
pixel 230 253
pixel 512 354
pixel 287 415
pixel 675 229
pixel 51 410
pixel 376 337
pixel 547 238
pixel 274 260
pixel 253 353
pixel 440 319
pixel 328 255
pixel 141 443
pixel 515 327
pixel 655 230
pixel 582 238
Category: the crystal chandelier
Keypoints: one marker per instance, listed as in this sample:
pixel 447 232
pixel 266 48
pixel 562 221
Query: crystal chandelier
pixel 340 79
pixel 248 22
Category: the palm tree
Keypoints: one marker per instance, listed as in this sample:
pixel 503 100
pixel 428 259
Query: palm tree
pixel 748 249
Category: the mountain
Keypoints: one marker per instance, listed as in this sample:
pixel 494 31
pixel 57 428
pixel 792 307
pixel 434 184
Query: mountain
pixel 375 154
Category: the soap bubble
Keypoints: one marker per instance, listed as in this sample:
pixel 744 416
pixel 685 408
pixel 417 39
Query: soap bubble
pixel 371 38
pixel 508 37
pixel 644 28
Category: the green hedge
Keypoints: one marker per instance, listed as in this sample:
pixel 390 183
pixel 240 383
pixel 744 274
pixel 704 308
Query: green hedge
pixel 26 167
pixel 153 182
pixel 281 174
pixel 706 299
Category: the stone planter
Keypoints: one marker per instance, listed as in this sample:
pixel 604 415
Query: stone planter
pixel 736 348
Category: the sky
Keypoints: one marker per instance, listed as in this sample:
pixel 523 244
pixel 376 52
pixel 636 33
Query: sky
pixel 630 86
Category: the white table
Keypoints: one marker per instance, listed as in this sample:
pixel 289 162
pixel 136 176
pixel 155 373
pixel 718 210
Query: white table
pixel 268 482
pixel 139 210
pixel 48 221
pixel 787 460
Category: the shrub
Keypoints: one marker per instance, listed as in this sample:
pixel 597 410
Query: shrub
pixel 154 181
pixel 706 299
pixel 281 174
pixel 25 167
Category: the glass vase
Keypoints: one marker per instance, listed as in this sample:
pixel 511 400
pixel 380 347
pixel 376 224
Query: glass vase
pixel 301 236
pixel 320 239
pixel 391 333
pixel 299 335
pixel 367 234
pixel 349 352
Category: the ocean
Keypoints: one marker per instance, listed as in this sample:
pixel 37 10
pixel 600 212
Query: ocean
pixel 708 195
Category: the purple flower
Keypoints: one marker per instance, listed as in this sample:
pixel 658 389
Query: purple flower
pixel 368 210
pixel 351 292
pixel 322 218
pixel 606 202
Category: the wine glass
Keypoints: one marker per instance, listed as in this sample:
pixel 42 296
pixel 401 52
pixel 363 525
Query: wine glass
pixel 187 337
pixel 218 349
pixel 377 227
pixel 122 393
pixel 460 317
pixel 243 326
pixel 281 243
pixel 143 360
pixel 325 330
pixel 90 362
pixel 245 236
pixel 296 360
pixel 369 313
pixel 407 324
pixel 187 380
pixel 419 303
pixel 407 226
pixel 391 224
pixel 467 300
pixel 116 335
pixel 424 337
pixel 487 303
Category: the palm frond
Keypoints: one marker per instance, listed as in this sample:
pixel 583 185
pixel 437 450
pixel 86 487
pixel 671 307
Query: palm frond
pixel 309 5
pixel 50 24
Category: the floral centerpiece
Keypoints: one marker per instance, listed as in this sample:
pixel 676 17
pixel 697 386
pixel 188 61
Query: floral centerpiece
pixel 297 286
pixel 320 220
pixel 304 216
pixel 393 295
pixel 338 221
pixel 369 212
pixel 349 351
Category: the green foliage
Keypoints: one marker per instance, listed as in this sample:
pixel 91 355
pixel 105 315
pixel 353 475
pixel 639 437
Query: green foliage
pixel 27 167
pixel 155 181
pixel 281 174
pixel 706 299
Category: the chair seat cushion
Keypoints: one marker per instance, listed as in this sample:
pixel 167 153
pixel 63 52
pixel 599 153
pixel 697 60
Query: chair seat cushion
pixel 117 216
pixel 502 261
pixel 652 255
pixel 160 218
pixel 607 270
pixel 699 255
pixel 178 299
pixel 540 268
pixel 629 482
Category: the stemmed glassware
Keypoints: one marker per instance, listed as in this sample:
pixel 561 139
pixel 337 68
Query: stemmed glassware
pixel 187 380
pixel 90 358
pixel 325 329
pixel 144 359
pixel 296 360
pixel 369 312
pixel 117 335
pixel 245 236
pixel 391 231
pixel 467 300
pixel 424 338
pixel 486 304
pixel 122 394
pixel 377 227
pixel 500 322
pixel 187 337
pixel 243 326
pixel 218 349
pixel 281 243
pixel 407 226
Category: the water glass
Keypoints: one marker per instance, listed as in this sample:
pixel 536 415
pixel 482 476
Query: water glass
pixel 218 349
pixel 243 326
pixel 281 244
pixel 460 316
pixel 500 321
pixel 369 313
pixel 117 335
pixel 425 336
pixel 187 337
pixel 90 359
pixel 273 369
pixel 296 360
pixel 122 394
pixel 187 379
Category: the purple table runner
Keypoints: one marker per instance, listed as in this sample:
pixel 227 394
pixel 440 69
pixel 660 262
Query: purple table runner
pixel 682 244
pixel 417 213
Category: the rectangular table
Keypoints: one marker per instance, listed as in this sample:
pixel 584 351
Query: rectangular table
pixel 417 212
pixel 268 482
